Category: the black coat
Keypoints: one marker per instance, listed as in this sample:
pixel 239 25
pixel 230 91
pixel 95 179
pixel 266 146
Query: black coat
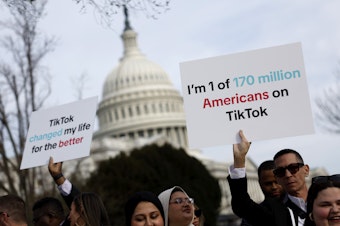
pixel 271 212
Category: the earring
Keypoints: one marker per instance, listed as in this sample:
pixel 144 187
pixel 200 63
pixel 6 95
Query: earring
pixel 311 217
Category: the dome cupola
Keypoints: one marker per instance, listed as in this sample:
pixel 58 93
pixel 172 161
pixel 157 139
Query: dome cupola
pixel 139 99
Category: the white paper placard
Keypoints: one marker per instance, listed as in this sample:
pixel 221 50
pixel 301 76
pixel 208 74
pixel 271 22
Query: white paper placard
pixel 63 132
pixel 263 92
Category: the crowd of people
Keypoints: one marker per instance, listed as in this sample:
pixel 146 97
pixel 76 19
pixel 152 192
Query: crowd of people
pixel 297 205
pixel 172 207
pixel 288 201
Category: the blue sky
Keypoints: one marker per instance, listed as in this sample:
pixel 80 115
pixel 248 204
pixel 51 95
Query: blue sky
pixel 194 29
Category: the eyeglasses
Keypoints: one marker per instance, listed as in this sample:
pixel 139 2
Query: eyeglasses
pixel 198 212
pixel 181 200
pixel 292 168
pixel 325 179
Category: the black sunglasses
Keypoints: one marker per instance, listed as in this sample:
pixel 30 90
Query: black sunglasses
pixel 292 168
pixel 325 179
pixel 198 212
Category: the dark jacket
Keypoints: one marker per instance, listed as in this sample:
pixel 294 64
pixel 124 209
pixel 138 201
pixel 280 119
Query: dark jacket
pixel 271 212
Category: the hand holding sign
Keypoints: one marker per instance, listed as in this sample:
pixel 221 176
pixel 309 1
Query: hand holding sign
pixel 54 168
pixel 240 151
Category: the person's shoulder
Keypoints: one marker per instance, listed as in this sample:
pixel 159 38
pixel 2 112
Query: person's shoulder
pixel 276 207
pixel 272 202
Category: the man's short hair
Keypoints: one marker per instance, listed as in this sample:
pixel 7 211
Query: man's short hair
pixel 288 151
pixel 51 206
pixel 266 165
pixel 14 206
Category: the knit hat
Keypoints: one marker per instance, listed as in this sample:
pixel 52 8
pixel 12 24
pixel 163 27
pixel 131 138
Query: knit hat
pixel 135 199
pixel 164 197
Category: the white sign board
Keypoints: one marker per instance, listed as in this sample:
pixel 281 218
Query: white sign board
pixel 63 132
pixel 263 92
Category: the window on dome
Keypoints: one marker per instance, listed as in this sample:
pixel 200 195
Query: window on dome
pixel 150 132
pixel 138 110
pixel 122 135
pixel 168 132
pixel 116 114
pixel 178 135
pixel 110 116
pixel 123 113
pixel 146 110
pixel 130 111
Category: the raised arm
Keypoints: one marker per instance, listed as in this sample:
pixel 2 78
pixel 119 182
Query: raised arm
pixel 67 190
pixel 241 202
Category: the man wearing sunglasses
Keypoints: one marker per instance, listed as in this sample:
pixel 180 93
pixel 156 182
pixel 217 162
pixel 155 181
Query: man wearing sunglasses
pixel 290 172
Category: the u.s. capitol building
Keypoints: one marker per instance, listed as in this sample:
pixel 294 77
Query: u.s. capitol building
pixel 141 106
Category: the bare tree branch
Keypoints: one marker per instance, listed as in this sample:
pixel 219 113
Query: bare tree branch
pixel 106 10
pixel 328 114
pixel 80 85
pixel 23 82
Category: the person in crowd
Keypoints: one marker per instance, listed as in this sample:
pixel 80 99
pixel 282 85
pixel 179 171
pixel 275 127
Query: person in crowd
pixel 199 218
pixel 268 183
pixel 49 211
pixel 323 201
pixel 87 209
pixel 290 172
pixel 178 207
pixel 65 187
pixel 12 211
pixel 144 208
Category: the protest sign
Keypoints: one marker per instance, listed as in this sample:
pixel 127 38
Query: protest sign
pixel 63 132
pixel 263 92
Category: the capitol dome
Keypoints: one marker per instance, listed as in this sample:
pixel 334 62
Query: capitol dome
pixel 139 100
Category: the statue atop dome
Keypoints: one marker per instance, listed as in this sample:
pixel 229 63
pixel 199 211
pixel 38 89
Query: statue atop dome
pixel 127 23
